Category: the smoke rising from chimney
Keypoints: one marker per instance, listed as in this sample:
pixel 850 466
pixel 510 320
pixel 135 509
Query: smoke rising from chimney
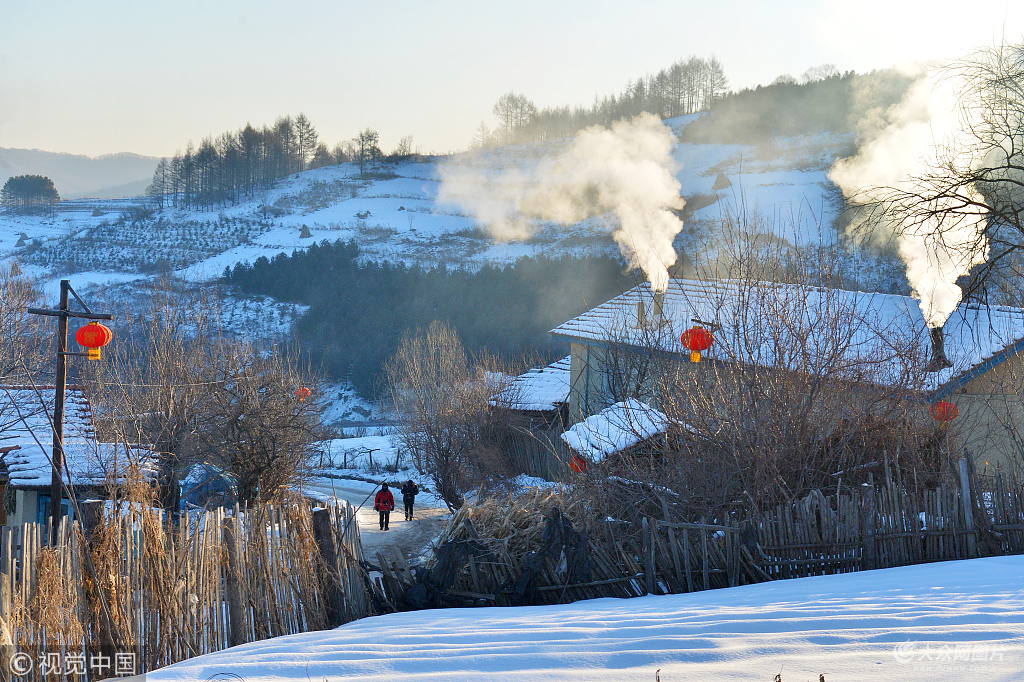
pixel 627 171
pixel 916 137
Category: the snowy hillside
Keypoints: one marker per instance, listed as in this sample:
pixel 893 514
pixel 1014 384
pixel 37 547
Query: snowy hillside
pixel 950 621
pixel 394 214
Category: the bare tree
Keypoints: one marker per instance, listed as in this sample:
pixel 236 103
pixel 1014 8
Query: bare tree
pixel 403 148
pixel 481 137
pixel 24 340
pixel 263 421
pixel 175 382
pixel 22 336
pixel 819 73
pixel 156 384
pixel 447 417
pixel 976 180
pixel 791 401
pixel 515 113
pixel 367 149
pixel 322 157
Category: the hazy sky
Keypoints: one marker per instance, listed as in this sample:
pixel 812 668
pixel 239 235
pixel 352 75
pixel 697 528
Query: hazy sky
pixel 107 76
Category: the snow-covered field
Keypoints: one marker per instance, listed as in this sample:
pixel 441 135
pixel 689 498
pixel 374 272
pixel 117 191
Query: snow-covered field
pixel 955 621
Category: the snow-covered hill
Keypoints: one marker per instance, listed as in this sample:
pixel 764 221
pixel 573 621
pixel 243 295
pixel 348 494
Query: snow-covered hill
pixel 952 621
pixel 398 212
pixel 394 213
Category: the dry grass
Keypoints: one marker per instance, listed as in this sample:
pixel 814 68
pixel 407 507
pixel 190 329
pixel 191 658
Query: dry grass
pixel 511 526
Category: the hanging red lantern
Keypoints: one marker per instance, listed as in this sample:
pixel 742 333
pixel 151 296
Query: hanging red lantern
pixel 697 340
pixel 94 336
pixel 944 411
pixel 578 464
pixel 303 393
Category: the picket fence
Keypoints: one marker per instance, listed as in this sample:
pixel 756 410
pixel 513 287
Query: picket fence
pixel 120 588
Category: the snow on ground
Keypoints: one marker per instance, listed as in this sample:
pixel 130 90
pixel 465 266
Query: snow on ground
pixel 952 621
pixel 368 453
pixel 347 408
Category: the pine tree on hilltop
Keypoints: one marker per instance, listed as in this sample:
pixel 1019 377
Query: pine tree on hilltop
pixel 29 194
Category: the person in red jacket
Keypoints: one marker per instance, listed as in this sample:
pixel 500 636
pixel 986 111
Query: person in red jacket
pixel 384 503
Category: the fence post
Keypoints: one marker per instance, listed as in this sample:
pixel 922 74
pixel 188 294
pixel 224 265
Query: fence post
pixel 968 505
pixel 869 552
pixel 648 550
pixel 233 585
pixel 6 575
pixel 330 581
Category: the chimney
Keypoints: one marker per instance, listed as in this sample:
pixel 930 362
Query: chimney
pixel 939 361
pixel 659 302
pixel 641 314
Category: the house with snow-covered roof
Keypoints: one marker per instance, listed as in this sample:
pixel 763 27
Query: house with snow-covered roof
pixel 617 428
pixel 541 394
pixel 26 451
pixel 974 360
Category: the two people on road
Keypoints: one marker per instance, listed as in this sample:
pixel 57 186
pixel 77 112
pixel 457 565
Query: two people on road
pixel 409 492
pixel 384 503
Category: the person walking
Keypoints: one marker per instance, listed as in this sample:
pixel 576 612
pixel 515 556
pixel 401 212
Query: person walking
pixel 384 503
pixel 409 492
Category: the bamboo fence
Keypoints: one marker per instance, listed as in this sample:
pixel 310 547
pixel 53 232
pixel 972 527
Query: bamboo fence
pixel 120 587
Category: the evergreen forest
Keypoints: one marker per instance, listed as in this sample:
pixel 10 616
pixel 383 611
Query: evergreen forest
pixel 359 310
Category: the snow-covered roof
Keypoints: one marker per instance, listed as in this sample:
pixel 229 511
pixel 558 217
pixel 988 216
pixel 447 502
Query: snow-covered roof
pixel 881 338
pixel 615 428
pixel 541 388
pixel 26 432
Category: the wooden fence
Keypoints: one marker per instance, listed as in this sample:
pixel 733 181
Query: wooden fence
pixel 874 526
pixel 124 583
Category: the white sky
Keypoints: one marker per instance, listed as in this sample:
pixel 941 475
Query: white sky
pixel 107 76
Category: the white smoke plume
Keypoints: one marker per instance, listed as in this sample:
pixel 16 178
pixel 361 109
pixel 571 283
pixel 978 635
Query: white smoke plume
pixel 627 171
pixel 928 129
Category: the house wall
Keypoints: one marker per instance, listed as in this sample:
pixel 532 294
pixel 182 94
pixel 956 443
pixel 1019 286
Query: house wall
pixel 990 424
pixel 586 382
pixel 26 506
pixel 589 387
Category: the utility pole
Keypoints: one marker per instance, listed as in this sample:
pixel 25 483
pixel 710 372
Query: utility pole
pixel 57 458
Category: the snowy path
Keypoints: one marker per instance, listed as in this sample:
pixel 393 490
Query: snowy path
pixel 430 515
pixel 955 621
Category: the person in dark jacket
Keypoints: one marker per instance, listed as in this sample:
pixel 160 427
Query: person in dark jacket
pixel 409 492
pixel 384 503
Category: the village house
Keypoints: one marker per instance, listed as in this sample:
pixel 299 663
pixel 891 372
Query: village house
pixel 973 361
pixel 26 445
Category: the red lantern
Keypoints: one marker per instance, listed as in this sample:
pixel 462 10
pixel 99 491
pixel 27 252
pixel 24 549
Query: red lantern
pixel 944 411
pixel 578 464
pixel 303 393
pixel 94 336
pixel 697 340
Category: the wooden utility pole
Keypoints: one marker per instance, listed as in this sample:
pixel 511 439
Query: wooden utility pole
pixel 57 457
pixel 61 384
